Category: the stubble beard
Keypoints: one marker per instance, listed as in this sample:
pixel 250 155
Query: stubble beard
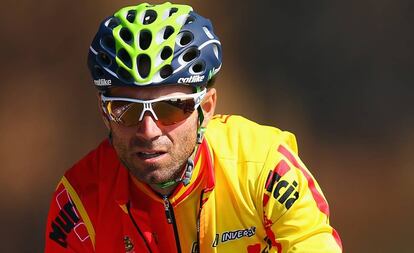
pixel 155 173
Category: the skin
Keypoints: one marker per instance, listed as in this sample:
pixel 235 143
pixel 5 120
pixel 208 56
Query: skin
pixel 174 144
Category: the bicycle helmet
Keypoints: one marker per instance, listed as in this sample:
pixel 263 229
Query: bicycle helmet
pixel 154 45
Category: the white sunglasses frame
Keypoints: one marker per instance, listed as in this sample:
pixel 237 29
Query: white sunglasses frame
pixel 198 97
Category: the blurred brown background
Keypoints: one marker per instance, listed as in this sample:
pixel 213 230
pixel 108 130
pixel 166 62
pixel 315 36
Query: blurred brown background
pixel 339 74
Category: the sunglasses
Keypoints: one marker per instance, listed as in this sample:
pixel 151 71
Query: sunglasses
pixel 167 110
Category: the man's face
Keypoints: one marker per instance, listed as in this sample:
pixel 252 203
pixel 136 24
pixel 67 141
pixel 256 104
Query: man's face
pixel 154 153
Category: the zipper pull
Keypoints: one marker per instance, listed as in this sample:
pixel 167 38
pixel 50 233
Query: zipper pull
pixel 167 210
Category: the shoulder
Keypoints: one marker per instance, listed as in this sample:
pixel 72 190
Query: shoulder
pixel 76 200
pixel 93 167
pixel 232 136
pixel 244 155
pixel 89 174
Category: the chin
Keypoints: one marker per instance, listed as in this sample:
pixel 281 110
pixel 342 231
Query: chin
pixel 155 173
pixel 154 177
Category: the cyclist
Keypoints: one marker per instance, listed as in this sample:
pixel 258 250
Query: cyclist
pixel 172 176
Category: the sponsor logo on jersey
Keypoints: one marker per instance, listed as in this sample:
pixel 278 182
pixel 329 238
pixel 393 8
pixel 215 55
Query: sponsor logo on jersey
pixel 129 246
pixel 66 221
pixel 283 191
pixel 63 224
pixel 191 79
pixel 234 235
pixel 102 82
pixel 257 247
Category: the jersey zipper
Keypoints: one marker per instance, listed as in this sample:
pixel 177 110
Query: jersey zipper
pixel 169 213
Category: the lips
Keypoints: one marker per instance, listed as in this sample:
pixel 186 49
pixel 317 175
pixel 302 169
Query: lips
pixel 149 155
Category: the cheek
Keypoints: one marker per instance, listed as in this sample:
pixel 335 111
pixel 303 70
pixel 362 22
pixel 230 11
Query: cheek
pixel 121 135
pixel 185 133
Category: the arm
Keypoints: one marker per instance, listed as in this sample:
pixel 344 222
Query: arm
pixel 295 212
pixel 66 228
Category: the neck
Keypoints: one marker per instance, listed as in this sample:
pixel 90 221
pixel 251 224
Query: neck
pixel 167 188
pixel 187 171
pixel 164 191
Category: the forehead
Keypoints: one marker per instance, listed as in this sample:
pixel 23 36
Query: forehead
pixel 149 92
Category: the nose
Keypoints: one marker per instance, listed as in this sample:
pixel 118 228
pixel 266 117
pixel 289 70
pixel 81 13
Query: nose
pixel 148 128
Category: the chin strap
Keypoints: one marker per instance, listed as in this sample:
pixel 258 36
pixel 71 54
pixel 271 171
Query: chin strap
pixel 185 177
pixel 188 172
pixel 200 130
pixel 110 136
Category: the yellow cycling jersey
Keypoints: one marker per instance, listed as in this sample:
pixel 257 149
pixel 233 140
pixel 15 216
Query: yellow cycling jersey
pixel 265 200
pixel 249 193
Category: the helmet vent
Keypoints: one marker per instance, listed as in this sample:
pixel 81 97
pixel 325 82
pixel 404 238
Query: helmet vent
pixel 186 38
pixel 124 57
pixel 166 71
pixel 189 20
pixel 172 11
pixel 149 17
pixel 131 15
pixel 113 22
pixel 190 55
pixel 168 31
pixel 144 65
pixel 145 38
pixel 108 42
pixel 124 75
pixel 103 59
pixel 198 68
pixel 166 52
pixel 126 35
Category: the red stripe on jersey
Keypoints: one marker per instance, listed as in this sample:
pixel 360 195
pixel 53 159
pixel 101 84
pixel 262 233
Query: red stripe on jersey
pixel 270 234
pixel 223 118
pixel 282 168
pixel 317 196
pixel 272 238
pixel 337 238
pixel 253 248
pixel 265 199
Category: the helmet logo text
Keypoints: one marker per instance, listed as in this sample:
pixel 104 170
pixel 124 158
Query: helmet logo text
pixel 102 82
pixel 191 79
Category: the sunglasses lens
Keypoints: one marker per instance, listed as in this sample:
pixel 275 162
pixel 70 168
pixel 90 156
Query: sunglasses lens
pixel 124 112
pixel 171 112
pixel 168 112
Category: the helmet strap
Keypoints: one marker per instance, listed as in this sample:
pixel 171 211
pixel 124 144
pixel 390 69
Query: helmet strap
pixel 201 129
pixel 188 171
pixel 110 138
pixel 185 177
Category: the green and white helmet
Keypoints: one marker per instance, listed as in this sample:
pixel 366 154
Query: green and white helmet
pixel 154 45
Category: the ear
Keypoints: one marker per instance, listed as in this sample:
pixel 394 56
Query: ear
pixel 103 114
pixel 209 105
